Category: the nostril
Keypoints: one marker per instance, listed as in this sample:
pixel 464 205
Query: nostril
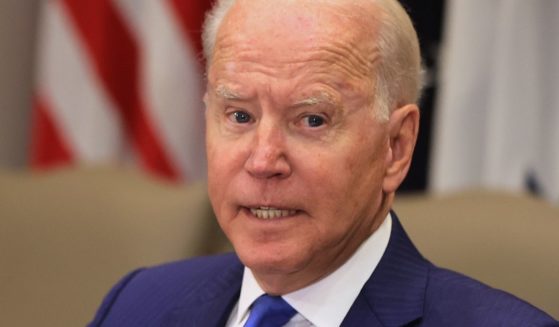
pixel 260 166
pixel 277 175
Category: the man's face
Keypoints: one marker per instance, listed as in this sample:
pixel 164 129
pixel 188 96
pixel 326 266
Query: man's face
pixel 296 157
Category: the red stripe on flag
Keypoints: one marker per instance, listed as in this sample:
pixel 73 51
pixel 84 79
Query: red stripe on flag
pixel 191 16
pixel 48 148
pixel 115 57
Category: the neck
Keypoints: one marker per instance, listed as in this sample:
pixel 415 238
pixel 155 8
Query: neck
pixel 280 284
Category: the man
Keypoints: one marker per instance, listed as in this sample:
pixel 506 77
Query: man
pixel 311 124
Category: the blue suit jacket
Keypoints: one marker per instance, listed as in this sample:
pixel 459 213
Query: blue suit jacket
pixel 404 290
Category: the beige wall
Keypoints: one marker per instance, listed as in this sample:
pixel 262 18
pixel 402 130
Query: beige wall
pixel 18 22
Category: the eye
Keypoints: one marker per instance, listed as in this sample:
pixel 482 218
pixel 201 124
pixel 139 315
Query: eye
pixel 241 117
pixel 314 120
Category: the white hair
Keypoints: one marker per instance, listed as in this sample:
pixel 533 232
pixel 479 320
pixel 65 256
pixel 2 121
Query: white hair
pixel 213 21
pixel 398 78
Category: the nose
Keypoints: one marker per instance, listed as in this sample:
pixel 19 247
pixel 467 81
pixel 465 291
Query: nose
pixel 268 156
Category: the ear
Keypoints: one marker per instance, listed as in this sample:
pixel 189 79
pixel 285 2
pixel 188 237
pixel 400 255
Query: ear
pixel 402 128
pixel 206 99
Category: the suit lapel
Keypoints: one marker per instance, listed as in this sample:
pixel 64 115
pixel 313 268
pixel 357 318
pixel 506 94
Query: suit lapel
pixel 211 303
pixel 394 294
pixel 361 314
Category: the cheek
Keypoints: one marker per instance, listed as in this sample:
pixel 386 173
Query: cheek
pixel 220 153
pixel 214 168
pixel 217 161
pixel 358 178
pixel 225 162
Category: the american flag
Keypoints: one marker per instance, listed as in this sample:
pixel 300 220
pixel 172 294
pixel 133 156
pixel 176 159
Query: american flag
pixel 121 81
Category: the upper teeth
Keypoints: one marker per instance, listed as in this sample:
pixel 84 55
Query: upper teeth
pixel 269 213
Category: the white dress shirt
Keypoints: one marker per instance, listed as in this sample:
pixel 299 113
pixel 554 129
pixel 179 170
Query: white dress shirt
pixel 326 302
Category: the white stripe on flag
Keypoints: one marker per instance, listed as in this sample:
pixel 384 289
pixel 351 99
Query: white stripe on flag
pixel 81 109
pixel 171 81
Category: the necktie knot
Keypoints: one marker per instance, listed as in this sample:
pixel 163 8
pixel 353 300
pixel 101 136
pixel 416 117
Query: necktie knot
pixel 269 311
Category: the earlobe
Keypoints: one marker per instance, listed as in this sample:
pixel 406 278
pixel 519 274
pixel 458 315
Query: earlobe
pixel 206 100
pixel 402 128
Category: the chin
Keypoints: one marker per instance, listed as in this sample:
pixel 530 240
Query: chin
pixel 270 259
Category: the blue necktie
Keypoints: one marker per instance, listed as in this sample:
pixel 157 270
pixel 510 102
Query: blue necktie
pixel 269 311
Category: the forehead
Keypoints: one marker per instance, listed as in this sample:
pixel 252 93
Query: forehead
pixel 297 32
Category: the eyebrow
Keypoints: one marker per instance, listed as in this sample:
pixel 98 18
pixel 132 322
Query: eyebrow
pixel 321 98
pixel 227 93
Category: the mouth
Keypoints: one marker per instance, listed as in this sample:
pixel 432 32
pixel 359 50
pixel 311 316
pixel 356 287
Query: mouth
pixel 267 213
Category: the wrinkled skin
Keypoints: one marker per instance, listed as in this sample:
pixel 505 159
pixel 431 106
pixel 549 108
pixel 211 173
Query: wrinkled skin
pixel 291 125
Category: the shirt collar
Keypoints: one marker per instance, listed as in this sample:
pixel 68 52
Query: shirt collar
pixel 250 291
pixel 339 289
